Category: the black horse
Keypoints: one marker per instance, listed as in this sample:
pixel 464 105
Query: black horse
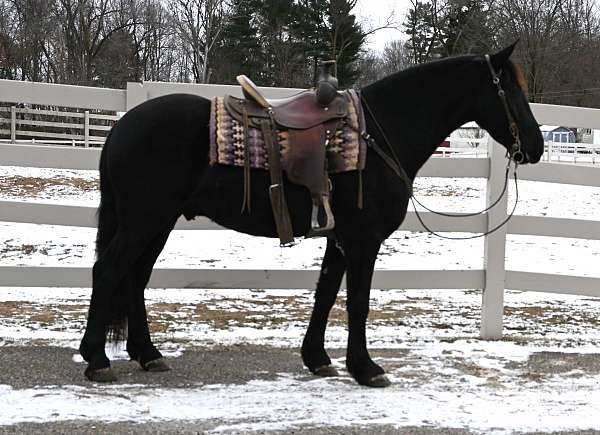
pixel 154 167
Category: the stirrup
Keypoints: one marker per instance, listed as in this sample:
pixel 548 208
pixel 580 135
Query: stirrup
pixel 315 229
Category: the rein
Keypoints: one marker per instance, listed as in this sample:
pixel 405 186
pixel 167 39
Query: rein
pixel 513 154
pixel 393 162
pixel 462 215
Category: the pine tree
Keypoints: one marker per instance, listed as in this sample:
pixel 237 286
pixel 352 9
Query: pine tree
pixel 466 28
pixel 275 41
pixel 240 51
pixel 283 51
pixel 347 39
pixel 329 30
pixel 422 26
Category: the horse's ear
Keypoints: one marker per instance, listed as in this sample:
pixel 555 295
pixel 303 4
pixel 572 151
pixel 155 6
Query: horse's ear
pixel 500 58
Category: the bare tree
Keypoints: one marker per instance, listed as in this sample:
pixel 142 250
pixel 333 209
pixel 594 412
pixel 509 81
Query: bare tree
pixel 395 57
pixel 87 26
pixel 374 66
pixel 27 32
pixel 537 24
pixel 559 42
pixel 199 24
pixel 158 46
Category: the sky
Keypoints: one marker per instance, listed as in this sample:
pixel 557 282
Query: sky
pixel 373 13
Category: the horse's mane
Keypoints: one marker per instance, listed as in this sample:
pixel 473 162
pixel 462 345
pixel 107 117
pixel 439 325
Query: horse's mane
pixel 432 66
pixel 519 75
pixel 445 63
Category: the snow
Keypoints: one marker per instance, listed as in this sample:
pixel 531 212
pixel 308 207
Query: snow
pixel 289 402
pixel 443 375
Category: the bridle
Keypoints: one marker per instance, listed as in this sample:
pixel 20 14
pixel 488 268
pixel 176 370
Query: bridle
pixel 515 150
pixel 514 154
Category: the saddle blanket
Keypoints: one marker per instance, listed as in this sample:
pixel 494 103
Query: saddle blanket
pixel 345 151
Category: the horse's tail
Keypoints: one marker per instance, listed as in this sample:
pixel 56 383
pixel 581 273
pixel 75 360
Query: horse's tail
pixel 107 228
pixel 107 215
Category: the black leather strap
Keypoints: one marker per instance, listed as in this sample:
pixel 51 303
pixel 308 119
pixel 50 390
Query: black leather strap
pixel 247 191
pixel 281 213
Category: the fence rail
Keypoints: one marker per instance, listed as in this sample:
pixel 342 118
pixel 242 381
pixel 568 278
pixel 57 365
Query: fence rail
pixel 562 151
pixel 493 278
pixel 56 124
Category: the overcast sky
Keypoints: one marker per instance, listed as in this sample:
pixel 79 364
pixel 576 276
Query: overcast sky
pixel 373 13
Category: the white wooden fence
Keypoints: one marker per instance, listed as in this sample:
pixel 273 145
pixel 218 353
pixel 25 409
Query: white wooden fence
pixel 571 152
pixel 493 278
pixel 74 128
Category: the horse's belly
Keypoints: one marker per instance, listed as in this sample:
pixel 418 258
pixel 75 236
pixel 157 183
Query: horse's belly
pixel 220 197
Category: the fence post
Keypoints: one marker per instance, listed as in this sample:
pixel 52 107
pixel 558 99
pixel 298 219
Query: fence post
pixel 492 308
pixel 13 124
pixel 136 94
pixel 86 128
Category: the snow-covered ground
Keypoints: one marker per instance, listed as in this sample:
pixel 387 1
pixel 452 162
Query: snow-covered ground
pixel 443 375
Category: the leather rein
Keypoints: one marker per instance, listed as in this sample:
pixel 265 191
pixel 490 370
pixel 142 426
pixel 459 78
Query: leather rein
pixel 514 154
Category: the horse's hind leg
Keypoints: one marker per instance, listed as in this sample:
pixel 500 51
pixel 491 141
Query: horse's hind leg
pixel 108 274
pixel 314 355
pixel 139 343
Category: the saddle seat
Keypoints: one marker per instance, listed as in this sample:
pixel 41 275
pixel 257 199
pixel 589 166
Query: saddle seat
pixel 300 111
pixel 307 122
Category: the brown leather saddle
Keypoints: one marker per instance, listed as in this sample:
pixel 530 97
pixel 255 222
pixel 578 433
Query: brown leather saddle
pixel 304 124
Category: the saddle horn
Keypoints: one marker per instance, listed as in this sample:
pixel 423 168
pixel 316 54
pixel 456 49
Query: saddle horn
pixel 327 84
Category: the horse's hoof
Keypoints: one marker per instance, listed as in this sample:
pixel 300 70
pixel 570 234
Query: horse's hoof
pixel 156 365
pixel 379 381
pixel 326 371
pixel 100 375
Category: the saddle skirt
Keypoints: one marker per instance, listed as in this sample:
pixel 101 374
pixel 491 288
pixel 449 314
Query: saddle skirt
pixel 345 149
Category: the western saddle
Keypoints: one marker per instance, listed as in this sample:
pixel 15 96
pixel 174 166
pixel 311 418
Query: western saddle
pixel 304 123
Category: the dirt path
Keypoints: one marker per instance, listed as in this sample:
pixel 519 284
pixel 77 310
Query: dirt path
pixel 46 369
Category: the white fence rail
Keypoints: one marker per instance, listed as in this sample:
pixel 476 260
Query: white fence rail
pixel 493 278
pixel 572 152
pixel 22 125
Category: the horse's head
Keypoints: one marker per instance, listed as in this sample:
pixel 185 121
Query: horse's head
pixel 502 108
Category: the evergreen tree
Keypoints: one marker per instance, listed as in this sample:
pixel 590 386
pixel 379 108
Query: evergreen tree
pixel 311 30
pixel 329 29
pixel 115 62
pixel 240 51
pixel 466 28
pixel 275 41
pixel 422 26
pixel 284 55
pixel 346 38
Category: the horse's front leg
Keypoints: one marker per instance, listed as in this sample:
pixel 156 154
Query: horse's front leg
pixel 314 355
pixel 360 260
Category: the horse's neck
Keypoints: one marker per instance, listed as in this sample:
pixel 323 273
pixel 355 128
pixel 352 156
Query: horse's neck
pixel 417 113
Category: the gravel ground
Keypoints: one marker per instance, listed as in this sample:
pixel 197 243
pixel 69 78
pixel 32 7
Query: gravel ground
pixel 83 427
pixel 39 366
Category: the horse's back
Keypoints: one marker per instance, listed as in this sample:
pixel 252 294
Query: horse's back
pixel 162 124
